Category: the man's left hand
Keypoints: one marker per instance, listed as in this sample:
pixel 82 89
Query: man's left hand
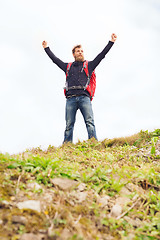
pixel 113 37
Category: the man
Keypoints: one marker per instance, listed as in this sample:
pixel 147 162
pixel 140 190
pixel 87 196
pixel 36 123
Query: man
pixel 78 98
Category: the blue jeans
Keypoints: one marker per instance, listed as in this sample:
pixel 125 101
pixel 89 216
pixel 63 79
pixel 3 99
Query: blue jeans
pixel 83 103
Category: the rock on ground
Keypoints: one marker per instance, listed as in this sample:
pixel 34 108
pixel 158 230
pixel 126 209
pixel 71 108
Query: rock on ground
pixel 31 236
pixel 30 204
pixel 64 184
pixel 116 211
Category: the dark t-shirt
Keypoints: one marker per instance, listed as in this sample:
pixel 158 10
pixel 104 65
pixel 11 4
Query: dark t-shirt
pixel 76 76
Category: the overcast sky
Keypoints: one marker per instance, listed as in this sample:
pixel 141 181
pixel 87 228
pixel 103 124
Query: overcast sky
pixel 32 104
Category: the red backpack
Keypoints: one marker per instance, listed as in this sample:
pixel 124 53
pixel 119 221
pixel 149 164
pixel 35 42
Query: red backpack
pixel 91 82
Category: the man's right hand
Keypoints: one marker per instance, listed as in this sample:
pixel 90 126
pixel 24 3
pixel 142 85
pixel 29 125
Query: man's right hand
pixel 44 44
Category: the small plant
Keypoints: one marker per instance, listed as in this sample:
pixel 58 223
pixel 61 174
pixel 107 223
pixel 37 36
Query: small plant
pixel 156 133
pixel 154 141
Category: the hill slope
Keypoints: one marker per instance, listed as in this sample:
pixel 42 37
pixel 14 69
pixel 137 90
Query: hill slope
pixel 90 190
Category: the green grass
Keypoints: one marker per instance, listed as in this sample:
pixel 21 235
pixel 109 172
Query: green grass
pixel 107 168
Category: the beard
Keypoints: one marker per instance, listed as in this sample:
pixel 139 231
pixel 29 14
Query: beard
pixel 79 58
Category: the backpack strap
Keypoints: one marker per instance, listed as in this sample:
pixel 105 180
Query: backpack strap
pixel 67 74
pixel 68 68
pixel 85 68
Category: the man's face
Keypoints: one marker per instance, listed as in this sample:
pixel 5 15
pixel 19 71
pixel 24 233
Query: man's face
pixel 78 55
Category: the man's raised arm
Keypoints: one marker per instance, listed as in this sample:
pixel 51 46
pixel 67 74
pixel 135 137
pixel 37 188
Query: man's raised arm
pixel 56 60
pixel 93 64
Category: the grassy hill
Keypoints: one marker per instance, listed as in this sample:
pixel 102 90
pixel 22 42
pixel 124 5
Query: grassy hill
pixel 89 190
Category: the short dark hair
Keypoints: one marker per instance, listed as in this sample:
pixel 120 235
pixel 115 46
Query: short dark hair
pixel 77 46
